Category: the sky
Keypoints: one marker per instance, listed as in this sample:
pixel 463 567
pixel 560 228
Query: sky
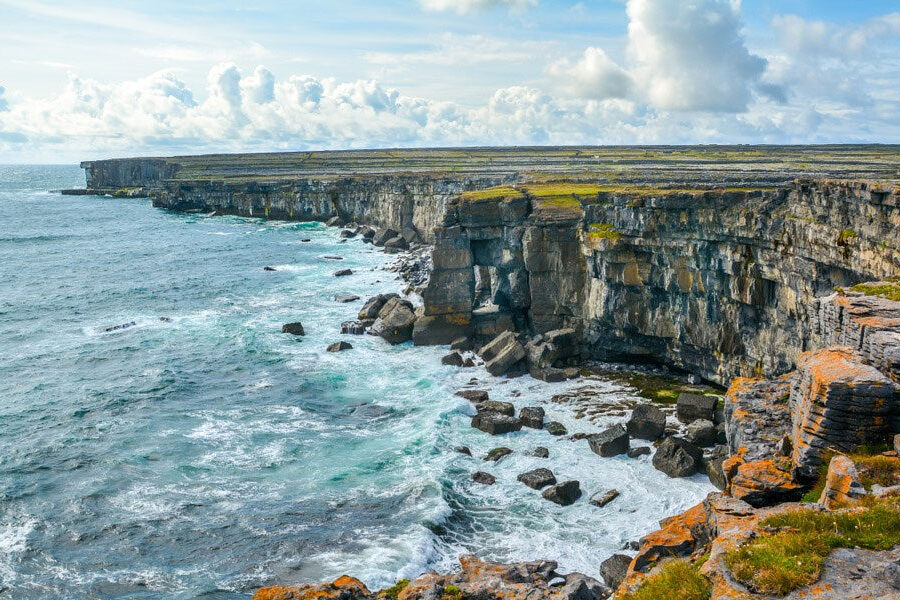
pixel 97 79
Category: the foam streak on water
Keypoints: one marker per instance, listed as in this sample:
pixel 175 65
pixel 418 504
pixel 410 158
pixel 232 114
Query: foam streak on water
pixel 206 454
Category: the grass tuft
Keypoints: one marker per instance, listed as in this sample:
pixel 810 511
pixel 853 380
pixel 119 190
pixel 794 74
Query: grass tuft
pixel 889 290
pixel 677 580
pixel 394 590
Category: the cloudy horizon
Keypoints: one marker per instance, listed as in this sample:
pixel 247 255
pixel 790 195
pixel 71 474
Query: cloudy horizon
pixel 102 79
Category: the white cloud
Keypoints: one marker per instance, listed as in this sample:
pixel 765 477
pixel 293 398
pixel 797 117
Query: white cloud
pixel 4 105
pixel 682 56
pixel 595 75
pixel 465 6
pixel 801 36
pixel 454 49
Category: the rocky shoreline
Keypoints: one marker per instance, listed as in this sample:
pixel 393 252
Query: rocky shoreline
pixel 789 297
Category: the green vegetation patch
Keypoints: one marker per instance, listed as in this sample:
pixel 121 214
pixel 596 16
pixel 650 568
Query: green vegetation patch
pixel 657 388
pixel 451 592
pixel 676 580
pixel 793 554
pixel 603 231
pixel 889 290
pixel 394 590
pixel 493 193
pixel 871 466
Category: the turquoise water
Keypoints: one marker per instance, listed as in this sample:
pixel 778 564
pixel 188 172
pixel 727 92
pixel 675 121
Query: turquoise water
pixel 201 453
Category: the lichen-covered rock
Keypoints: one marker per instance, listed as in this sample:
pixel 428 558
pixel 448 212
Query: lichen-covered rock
pixel 842 484
pixel 647 422
pixel 342 588
pixel 495 406
pixel 678 458
pixel 764 483
pixel 838 403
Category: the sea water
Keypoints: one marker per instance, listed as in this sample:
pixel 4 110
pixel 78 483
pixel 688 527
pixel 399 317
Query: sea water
pixel 201 453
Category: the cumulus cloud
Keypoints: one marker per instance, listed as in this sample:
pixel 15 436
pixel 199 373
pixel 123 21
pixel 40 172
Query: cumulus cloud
pixel 4 105
pixel 465 6
pixel 801 36
pixel 682 55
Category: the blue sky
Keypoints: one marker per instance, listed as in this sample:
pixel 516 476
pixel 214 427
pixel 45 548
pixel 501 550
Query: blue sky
pixel 92 79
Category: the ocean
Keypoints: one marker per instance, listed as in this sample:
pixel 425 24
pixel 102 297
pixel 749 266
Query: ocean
pixel 201 453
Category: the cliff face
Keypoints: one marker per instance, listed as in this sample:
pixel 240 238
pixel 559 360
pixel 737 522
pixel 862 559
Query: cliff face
pixel 128 172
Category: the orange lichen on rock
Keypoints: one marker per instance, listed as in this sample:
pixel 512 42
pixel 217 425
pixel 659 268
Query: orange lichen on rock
pixel 842 485
pixel 679 536
pixel 763 482
pixel 342 588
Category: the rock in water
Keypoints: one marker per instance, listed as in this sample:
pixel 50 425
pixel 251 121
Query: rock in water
pixel 339 346
pixel 373 305
pixel 677 458
pixel 555 428
pixel 538 478
pixel 344 298
pixel 610 441
pixel 454 359
pixel 496 406
pixel 461 344
pixel 603 498
pixel 541 452
pixel 495 424
pixel 564 493
pixel 647 422
pixel 464 450
pixel 343 272
pixel 701 433
pixel 356 327
pixel 395 321
pixel 475 396
pixel 483 478
pixel 293 328
pixel 532 416
pixel 497 453
pixel 334 222
pixel 614 569
pixel 691 407
pixel 639 451
pixel 269 269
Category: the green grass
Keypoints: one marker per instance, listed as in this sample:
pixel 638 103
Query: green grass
pixel 664 390
pixel 677 580
pixel 889 290
pixel 871 466
pixel 603 231
pixel 492 193
pixel 394 590
pixel 451 592
pixel 792 556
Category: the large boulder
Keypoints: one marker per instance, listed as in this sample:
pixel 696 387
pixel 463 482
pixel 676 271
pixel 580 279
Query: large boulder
pixel 842 485
pixel 502 353
pixel 383 235
pixel 552 347
pixel 395 321
pixel 396 244
pixel 564 493
pixel 295 328
pixel 691 407
pixel 614 569
pixel 762 482
pixel 647 422
pixel 435 330
pixel 495 423
pixel 483 478
pixel 532 416
pixel 374 305
pixel 609 442
pixel 701 433
pixel 495 406
pixel 339 347
pixel 473 395
pixel 538 478
pixel 678 458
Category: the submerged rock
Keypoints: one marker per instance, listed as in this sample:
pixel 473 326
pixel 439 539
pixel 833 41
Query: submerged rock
pixel 475 396
pixel 339 346
pixel 483 478
pixel 454 359
pixel 343 272
pixel 564 494
pixel 496 454
pixel 267 268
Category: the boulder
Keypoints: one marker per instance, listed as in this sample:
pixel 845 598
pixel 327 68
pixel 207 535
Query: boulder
pixel 701 433
pixel 464 450
pixel 348 233
pixel 502 353
pixel 490 350
pixel 434 330
pixel 356 327
pixel 639 451
pixel 564 493
pixel 614 569
pixel 842 485
pixel 483 478
pixel 335 221
pixel 344 298
pixel 532 416
pixel 343 272
pixel 338 347
pixel 395 321
pixel 609 442
pixel 269 269
pixel 548 374
pixel 495 424
pixel 295 328
pixel 473 395
pixel 495 454
pixel 540 452
pixel 691 407
pixel 373 305
pixel 462 344
pixel 396 243
pixel 555 428
pixel 678 458
pixel 715 468
pixel 763 482
pixel 454 359
pixel 647 422
pixel 381 236
pixel 495 406
pixel 367 233
pixel 538 478
pixel 582 587
pixel 604 497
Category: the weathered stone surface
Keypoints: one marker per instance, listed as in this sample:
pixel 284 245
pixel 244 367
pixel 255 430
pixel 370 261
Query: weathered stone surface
pixel 454 359
pixel 383 235
pixel 396 243
pixel 647 422
pixel 490 321
pixel 757 416
pixel 541 452
pixel 342 588
pixel 502 353
pixel 764 483
pixel 356 327
pixel 691 407
pixel 395 321
pixel 538 478
pixel 483 478
pixel 555 428
pixel 436 330
pixel 449 291
pixel 715 469
pixel 838 403
pixel 678 458
pixel 532 416
pixel 462 344
pixel 495 454
pixel 603 497
pixel 373 305
pixel 495 424
pixel 842 484
pixel 609 442
pixel 701 433
pixel 293 328
pixel 614 569
pixel 639 451
pixel 473 395
pixel 339 346
pixel 564 493
pixel 495 406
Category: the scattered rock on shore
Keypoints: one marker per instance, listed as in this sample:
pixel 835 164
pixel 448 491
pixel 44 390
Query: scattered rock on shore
pixel 609 442
pixel 602 498
pixel 496 454
pixel 475 396
pixel 343 272
pixel 454 359
pixel 691 407
pixel 339 346
pixel 701 433
pixel 395 321
pixel 540 452
pixel 483 478
pixel 532 416
pixel 495 424
pixel 614 569
pixel 647 422
pixel 538 478
pixel 555 428
pixel 677 458
pixel 639 451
